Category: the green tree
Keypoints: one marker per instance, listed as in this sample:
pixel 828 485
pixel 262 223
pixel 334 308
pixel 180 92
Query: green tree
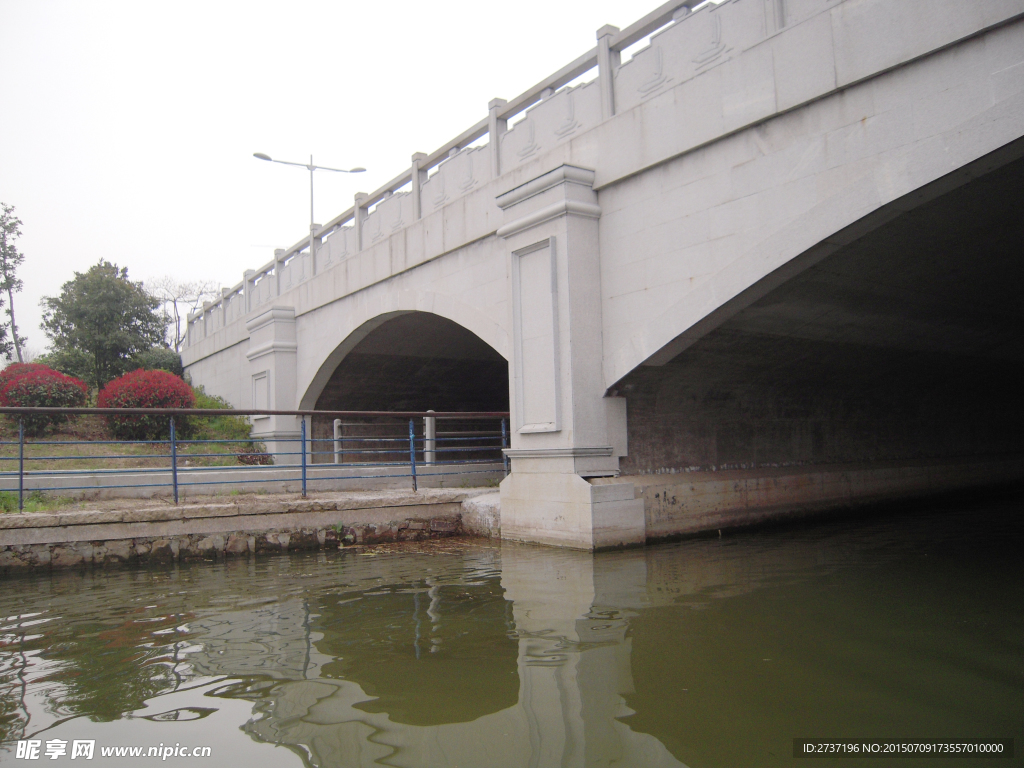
pixel 104 314
pixel 161 359
pixel 72 362
pixel 10 260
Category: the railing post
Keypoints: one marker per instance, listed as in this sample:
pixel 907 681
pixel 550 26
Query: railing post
pixel 607 63
pixel 337 441
pixel 302 448
pixel 174 462
pixel 315 241
pixel 495 128
pixel 779 9
pixel 21 463
pixel 278 267
pixel 359 213
pixel 418 177
pixel 247 278
pixel 412 452
pixel 429 438
pixel 504 445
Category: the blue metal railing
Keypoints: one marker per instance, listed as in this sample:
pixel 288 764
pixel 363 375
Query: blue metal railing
pixel 377 455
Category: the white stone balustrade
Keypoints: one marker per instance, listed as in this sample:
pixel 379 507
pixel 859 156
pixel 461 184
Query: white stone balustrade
pixel 554 114
pixel 683 46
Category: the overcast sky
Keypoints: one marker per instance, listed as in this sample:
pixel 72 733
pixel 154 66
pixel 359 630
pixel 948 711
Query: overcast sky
pixel 127 128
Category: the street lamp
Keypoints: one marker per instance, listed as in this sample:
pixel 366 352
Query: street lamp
pixel 310 167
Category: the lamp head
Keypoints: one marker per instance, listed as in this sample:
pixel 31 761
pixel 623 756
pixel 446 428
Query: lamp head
pixel 261 156
pixel 358 170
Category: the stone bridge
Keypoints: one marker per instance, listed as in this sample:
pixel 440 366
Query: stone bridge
pixel 778 252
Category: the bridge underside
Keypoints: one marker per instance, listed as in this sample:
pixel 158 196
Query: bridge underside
pixel 416 361
pixel 903 346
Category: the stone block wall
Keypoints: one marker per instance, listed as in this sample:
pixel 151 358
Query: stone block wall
pixel 215 531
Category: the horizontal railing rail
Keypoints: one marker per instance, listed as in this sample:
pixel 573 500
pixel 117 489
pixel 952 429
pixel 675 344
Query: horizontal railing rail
pixel 403 451
pixel 26 410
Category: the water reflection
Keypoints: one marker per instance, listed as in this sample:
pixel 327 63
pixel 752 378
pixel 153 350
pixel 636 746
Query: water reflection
pixel 704 653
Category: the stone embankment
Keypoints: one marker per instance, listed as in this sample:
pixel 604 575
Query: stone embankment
pixel 232 527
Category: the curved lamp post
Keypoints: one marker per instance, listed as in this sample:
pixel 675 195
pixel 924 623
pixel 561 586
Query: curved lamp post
pixel 310 167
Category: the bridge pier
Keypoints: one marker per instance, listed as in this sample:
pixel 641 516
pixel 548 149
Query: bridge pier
pixel 272 371
pixel 563 428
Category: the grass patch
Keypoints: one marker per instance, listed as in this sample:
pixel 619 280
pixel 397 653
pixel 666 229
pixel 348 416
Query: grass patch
pixel 35 501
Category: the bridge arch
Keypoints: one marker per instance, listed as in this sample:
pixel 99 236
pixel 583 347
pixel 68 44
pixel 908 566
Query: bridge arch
pixel 341 327
pixel 894 340
pixel 407 360
pixel 818 233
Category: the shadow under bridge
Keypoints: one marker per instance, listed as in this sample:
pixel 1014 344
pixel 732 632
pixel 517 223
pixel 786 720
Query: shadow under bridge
pixel 415 361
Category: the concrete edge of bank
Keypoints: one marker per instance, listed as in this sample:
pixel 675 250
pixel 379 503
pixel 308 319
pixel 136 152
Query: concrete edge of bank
pixel 675 506
pixel 692 503
pixel 211 531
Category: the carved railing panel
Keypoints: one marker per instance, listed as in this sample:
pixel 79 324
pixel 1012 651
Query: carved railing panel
pixel 391 214
pixel 567 113
pixel 295 271
pixel 456 176
pixel 337 247
pixel 691 46
pixel 235 306
pixel 263 290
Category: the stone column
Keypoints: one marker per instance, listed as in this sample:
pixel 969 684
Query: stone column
pixel 564 429
pixel 273 375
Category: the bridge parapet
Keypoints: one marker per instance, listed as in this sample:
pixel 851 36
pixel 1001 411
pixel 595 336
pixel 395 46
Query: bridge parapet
pixel 555 111
pixel 780 54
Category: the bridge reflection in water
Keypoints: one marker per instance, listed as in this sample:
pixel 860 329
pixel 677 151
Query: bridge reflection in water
pixel 463 667
pixel 710 652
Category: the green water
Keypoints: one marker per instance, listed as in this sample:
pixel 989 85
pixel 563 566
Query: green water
pixel 714 652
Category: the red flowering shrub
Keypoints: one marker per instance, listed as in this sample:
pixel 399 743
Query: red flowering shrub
pixel 41 387
pixel 146 389
pixel 14 370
